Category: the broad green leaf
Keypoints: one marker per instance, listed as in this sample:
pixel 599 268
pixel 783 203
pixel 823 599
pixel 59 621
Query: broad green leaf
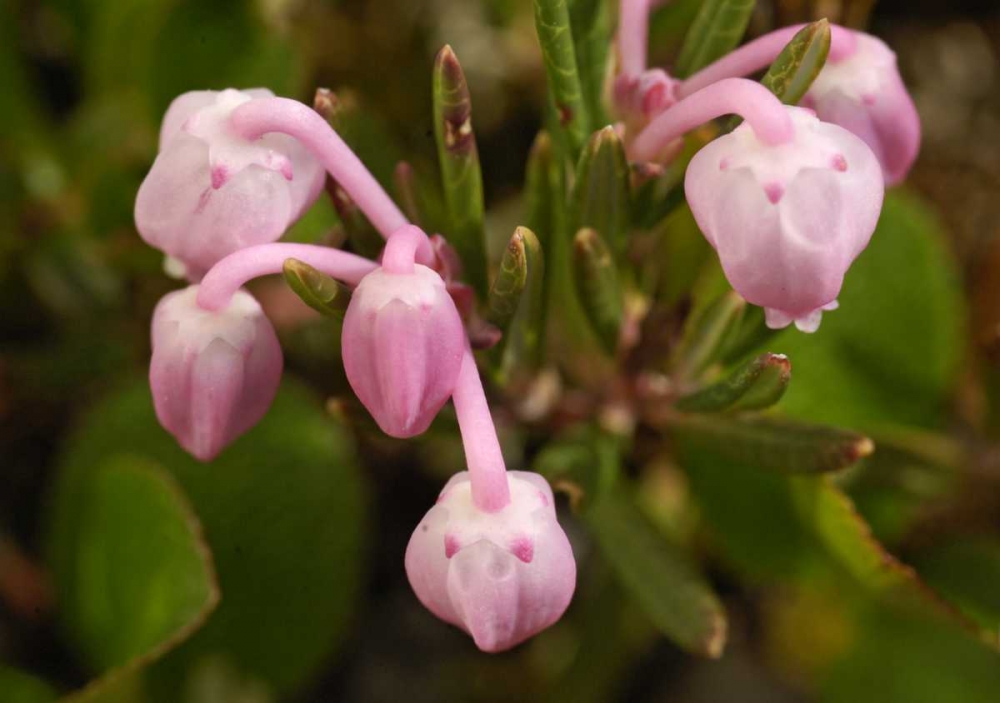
pixel 317 290
pixel 706 333
pixel 555 35
pixel 592 38
pixel 890 354
pixel 771 443
pixel 661 578
pixel 20 687
pixel 136 575
pixel 461 177
pixel 716 30
pixel 282 511
pixel 966 572
pixel 757 384
pixel 601 197
pixel 798 64
pixel 598 287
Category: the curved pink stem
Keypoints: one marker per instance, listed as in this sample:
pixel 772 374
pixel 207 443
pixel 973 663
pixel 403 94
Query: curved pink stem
pixel 633 36
pixel 232 272
pixel 750 100
pixel 761 53
pixel 258 117
pixel 487 472
pixel 405 246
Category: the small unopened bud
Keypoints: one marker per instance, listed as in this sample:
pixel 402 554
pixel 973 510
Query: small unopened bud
pixel 788 219
pixel 502 576
pixel 213 374
pixel 211 191
pixel 865 94
pixel 402 345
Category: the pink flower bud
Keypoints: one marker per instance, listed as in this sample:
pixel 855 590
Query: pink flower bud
pixel 213 374
pixel 402 347
pixel 865 94
pixel 503 576
pixel 787 220
pixel 211 192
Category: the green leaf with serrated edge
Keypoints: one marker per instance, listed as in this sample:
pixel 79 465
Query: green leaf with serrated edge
pixel 705 334
pixel 659 576
pixel 364 238
pixel 771 443
pixel 592 39
pixel 20 687
pixel 555 35
pixel 322 293
pixel 598 287
pixel 293 474
pixel 717 29
pixel 461 176
pixel 798 64
pixel 134 574
pixel 759 383
pixel 601 196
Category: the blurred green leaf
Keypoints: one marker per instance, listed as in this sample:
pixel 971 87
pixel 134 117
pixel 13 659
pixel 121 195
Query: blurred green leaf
pixel 583 463
pixel 322 293
pixel 716 30
pixel 966 571
pixel 461 177
pixel 592 38
pixel 601 196
pixel 598 287
pixel 555 35
pixel 706 333
pixel 20 687
pixel 662 579
pixel 283 515
pixel 771 443
pixel 890 354
pixel 798 64
pixel 759 383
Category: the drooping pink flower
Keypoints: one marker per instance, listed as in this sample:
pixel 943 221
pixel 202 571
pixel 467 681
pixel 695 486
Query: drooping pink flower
pixel 213 374
pixel 403 340
pixel 865 94
pixel 211 191
pixel 788 218
pixel 501 576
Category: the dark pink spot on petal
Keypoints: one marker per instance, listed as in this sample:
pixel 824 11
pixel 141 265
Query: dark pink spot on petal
pixel 724 164
pixel 523 549
pixel 286 170
pixel 544 498
pixel 869 99
pixel 839 163
pixel 774 191
pixel 220 174
pixel 451 546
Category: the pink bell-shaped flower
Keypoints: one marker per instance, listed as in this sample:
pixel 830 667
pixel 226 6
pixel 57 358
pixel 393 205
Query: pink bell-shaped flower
pixel 864 93
pixel 211 191
pixel 787 219
pixel 501 576
pixel 403 342
pixel 213 374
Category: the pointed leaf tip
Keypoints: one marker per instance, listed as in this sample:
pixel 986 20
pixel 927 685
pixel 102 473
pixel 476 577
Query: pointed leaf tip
pixel 317 290
pixel 760 383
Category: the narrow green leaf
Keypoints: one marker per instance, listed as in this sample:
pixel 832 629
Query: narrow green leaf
pixel 516 305
pixel 601 197
pixel 716 30
pixel 317 290
pixel 759 383
pixel 364 238
pixel 585 464
pixel 540 188
pixel 659 576
pixel 505 292
pixel 771 443
pixel 555 35
pixel 798 64
pixel 706 333
pixel 461 176
pixel 597 285
pixel 592 39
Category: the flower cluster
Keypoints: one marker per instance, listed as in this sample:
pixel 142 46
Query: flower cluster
pixel 788 199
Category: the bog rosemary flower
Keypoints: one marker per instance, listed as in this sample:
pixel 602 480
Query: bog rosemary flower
pixel 490 556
